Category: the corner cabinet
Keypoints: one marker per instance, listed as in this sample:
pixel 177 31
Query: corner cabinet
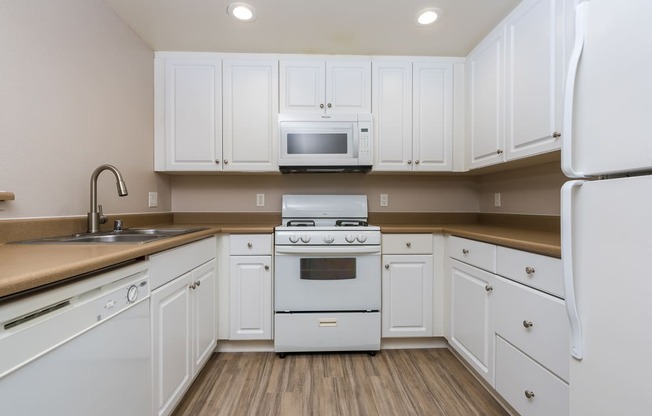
pixel 215 112
pixel 250 286
pixel 184 320
pixel 407 286
pixel 413 115
pixel 515 85
pixel 320 85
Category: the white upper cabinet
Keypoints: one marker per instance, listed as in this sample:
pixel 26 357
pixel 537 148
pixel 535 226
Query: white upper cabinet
pixel 485 114
pixel 215 112
pixel 250 120
pixel 188 113
pixel 534 74
pixel 413 115
pixel 515 85
pixel 320 85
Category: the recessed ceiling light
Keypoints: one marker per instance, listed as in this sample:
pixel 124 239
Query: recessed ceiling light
pixel 242 11
pixel 427 16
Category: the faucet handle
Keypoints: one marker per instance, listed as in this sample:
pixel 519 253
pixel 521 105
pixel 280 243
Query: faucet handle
pixel 103 219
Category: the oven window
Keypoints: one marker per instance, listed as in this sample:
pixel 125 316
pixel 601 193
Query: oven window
pixel 328 268
pixel 317 143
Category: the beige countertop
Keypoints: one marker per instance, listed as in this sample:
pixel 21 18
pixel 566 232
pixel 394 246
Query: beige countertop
pixel 28 266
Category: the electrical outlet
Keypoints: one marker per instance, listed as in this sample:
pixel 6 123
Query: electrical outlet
pixel 260 200
pixel 384 200
pixel 497 199
pixel 153 199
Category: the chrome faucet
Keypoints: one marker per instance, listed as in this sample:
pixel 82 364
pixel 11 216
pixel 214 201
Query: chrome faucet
pixel 95 216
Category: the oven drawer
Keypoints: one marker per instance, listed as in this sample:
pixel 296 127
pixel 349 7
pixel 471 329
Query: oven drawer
pixel 325 331
pixel 407 244
pixel 251 245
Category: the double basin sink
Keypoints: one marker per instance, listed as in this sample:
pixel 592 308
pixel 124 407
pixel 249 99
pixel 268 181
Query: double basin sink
pixel 133 235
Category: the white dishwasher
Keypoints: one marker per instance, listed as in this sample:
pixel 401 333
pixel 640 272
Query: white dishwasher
pixel 79 349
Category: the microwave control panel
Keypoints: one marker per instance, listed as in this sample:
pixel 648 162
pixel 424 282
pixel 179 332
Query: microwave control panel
pixel 364 149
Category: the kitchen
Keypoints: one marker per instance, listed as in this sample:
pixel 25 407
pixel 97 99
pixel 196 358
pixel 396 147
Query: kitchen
pixel 78 84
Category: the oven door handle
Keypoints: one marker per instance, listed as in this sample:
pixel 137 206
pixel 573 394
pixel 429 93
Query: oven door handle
pixel 327 250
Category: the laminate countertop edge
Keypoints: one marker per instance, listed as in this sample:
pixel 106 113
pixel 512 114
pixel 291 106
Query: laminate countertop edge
pixel 26 267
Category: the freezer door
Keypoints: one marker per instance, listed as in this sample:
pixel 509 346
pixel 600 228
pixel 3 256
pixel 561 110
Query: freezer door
pixel 607 114
pixel 612 246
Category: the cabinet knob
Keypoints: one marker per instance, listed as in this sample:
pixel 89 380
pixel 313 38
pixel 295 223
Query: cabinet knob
pixel 416 162
pixel 528 324
pixel 192 286
pixel 329 105
pixel 321 105
pixel 529 270
pixel 465 251
pixel 488 288
pixel 529 394
pixel 499 151
pixel 556 135
pixel 226 161
pixel 408 244
pixel 409 162
pixel 217 161
pixel 249 245
pixel 387 266
pixel 266 267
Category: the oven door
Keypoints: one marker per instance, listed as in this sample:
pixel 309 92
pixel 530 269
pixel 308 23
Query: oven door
pixel 309 279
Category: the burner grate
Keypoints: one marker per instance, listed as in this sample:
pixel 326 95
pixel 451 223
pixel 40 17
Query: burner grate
pixel 301 223
pixel 351 223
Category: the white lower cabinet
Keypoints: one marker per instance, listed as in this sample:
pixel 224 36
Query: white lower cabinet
pixel 471 327
pixel 250 287
pixel 183 314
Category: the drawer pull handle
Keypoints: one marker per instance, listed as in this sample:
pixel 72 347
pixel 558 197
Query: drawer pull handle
pixel 249 245
pixel 488 288
pixel 465 251
pixel 529 270
pixel 529 394
pixel 408 244
pixel 387 266
pixel 528 324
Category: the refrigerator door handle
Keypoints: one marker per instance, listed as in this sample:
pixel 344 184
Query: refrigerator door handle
pixel 569 92
pixel 577 349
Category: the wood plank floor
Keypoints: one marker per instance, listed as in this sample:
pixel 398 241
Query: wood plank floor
pixel 394 382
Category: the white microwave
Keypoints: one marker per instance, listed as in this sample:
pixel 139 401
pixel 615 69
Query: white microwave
pixel 325 143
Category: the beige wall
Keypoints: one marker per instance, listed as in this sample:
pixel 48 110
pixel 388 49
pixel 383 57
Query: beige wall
pixel 409 193
pixel 533 190
pixel 76 91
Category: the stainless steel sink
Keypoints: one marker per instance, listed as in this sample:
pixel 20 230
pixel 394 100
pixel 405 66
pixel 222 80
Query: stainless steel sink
pixel 133 235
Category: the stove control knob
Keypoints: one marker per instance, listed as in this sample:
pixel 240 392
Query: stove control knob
pixel 362 238
pixel 349 238
pixel 294 238
pixel 328 239
pixel 305 238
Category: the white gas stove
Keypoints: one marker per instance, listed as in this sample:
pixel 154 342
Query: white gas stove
pixel 327 275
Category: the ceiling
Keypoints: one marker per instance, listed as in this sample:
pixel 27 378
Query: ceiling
pixel 348 27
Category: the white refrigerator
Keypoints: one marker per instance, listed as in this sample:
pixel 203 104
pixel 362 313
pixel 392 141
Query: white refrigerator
pixel 607 208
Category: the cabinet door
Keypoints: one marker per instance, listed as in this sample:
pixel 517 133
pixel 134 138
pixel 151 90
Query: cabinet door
pixel 193 114
pixel 471 329
pixel 485 77
pixel 250 141
pixel 302 85
pixel 432 136
pixel 204 316
pixel 392 109
pixel 407 308
pixel 250 298
pixel 171 352
pixel 348 86
pixel 534 68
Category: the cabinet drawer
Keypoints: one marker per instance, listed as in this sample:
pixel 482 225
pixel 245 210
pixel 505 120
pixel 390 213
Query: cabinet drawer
pixel 534 322
pixel 251 244
pixel 172 263
pixel 475 253
pixel 535 270
pixel 517 374
pixel 407 244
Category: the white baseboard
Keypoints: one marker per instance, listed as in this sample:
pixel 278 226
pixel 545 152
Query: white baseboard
pixel 385 344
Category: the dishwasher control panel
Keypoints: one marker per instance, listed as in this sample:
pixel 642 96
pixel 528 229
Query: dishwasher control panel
pixel 129 291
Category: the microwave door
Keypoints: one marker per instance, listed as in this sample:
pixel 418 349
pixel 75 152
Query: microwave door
pixel 311 145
